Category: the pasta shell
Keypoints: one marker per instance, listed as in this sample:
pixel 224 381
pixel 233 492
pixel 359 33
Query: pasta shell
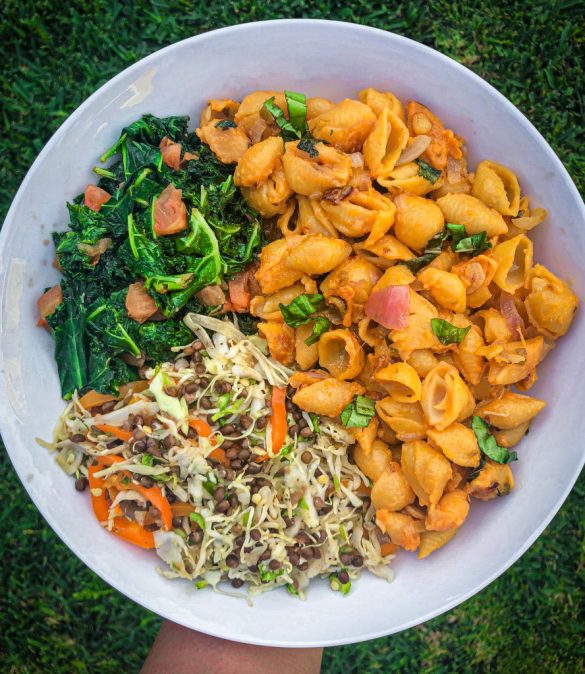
pixel 514 259
pixel 384 145
pixel 427 471
pixel 312 176
pixel 341 353
pixel 305 355
pixel 406 178
pixel 494 479
pixel 378 101
pixel 281 341
pixel 405 419
pixel 423 361
pixel 449 513
pixel 469 211
pixel 270 197
pixel 447 289
pixel 391 490
pixel 258 162
pixel 372 463
pixel 458 443
pixel 401 381
pixel 365 436
pixel 315 254
pixel 510 410
pixel 512 436
pixel 360 212
pixel 445 397
pixel 516 361
pixel 433 540
pixel 327 397
pixel 550 303
pixel 402 529
pixel 417 220
pixel 274 274
pixel 497 187
pixel 345 125
pixel 228 145
pixel 384 252
pixel 466 357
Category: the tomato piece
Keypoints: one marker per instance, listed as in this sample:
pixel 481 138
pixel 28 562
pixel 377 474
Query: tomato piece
pixel 171 152
pixel 95 197
pixel 48 302
pixel 139 304
pixel 170 213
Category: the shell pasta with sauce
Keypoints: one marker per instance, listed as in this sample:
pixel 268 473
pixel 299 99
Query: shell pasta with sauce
pixel 430 311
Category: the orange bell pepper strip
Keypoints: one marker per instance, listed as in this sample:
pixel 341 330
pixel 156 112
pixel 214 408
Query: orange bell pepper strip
pixel 182 509
pixel 119 433
pixel 133 533
pixel 278 418
pixel 205 431
pixel 155 496
pixel 94 398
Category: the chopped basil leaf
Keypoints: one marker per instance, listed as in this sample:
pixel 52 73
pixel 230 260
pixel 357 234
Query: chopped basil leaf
pixel 457 232
pixel 476 471
pixel 147 460
pixel 308 145
pixel 428 172
pixel 197 517
pixel 299 311
pixel 475 244
pixel 487 443
pixel 297 110
pixel 320 326
pixel 288 131
pixel 433 249
pixel 447 333
pixel 314 421
pixel 224 124
pixel 358 413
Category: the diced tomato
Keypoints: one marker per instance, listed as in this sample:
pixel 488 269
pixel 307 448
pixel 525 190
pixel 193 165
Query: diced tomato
pixel 171 152
pixel 139 303
pixel 390 307
pixel 95 197
pixel 48 302
pixel 170 213
pixel 239 293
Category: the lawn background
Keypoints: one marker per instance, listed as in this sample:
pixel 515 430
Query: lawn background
pixel 55 614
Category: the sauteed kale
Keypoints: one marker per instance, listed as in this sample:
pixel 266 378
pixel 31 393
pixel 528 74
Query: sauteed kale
pixel 97 344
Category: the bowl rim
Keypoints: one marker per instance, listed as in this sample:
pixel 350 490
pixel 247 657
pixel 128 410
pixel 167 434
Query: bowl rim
pixel 8 430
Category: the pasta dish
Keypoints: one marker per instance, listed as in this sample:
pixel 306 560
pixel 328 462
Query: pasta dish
pixel 297 340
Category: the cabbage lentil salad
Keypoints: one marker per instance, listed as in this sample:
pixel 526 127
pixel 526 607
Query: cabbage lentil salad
pixel 209 462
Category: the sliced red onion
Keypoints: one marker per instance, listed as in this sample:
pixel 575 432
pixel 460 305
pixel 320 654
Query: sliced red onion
pixel 390 307
pixel 510 314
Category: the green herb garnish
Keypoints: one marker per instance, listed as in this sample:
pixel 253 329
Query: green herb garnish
pixel 358 413
pixel 475 244
pixel 447 333
pixel 320 327
pixel 308 145
pixel 314 421
pixel 487 443
pixel 226 124
pixel 428 172
pixel 299 311
pixel 147 460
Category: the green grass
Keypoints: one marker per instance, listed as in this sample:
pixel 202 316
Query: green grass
pixel 55 615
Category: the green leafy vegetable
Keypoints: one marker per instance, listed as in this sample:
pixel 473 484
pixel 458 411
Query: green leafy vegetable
pixel 288 131
pixel 358 413
pixel 428 172
pixel 147 460
pixel 299 311
pixel 457 232
pixel 308 145
pixel 475 244
pixel 337 585
pixel 320 326
pixel 226 124
pixel 297 110
pixel 447 333
pixel 433 249
pixel 487 443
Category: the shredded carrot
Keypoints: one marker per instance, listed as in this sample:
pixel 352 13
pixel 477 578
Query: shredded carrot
pixel 119 433
pixel 155 496
pixel 94 398
pixel 182 509
pixel 219 455
pixel 388 549
pixel 203 429
pixel 278 418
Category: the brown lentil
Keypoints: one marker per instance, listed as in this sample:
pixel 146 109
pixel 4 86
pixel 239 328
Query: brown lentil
pixel 274 564
pixel 219 493
pixel 222 507
pixel 345 558
pixel 343 577
pixel 139 446
pixel 264 556
pixel 191 387
pixel 307 553
pixel 205 403
pixel 177 522
pixel 307 432
pixel 232 561
pixel 228 429
pixel 306 457
pixel 78 437
pixel 237 583
pixel 145 481
pixel 261 422
pixel 357 561
pixel 245 421
pixel 196 537
pixel 81 483
pixel 244 454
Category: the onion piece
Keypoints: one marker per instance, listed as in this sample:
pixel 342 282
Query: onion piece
pixel 455 170
pixel 390 307
pixel 414 150
pixel 511 315
pixel 357 159
pixel 118 417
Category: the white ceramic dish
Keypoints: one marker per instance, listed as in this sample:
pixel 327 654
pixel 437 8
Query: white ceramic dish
pixel 326 59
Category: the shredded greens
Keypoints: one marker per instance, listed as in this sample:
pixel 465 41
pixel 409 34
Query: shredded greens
pixel 428 172
pixel 93 333
pixel 358 413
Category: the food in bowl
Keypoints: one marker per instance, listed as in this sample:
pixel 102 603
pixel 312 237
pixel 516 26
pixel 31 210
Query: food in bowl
pixel 357 390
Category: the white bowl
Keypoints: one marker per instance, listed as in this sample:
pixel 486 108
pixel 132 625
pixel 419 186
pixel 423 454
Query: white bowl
pixel 324 59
